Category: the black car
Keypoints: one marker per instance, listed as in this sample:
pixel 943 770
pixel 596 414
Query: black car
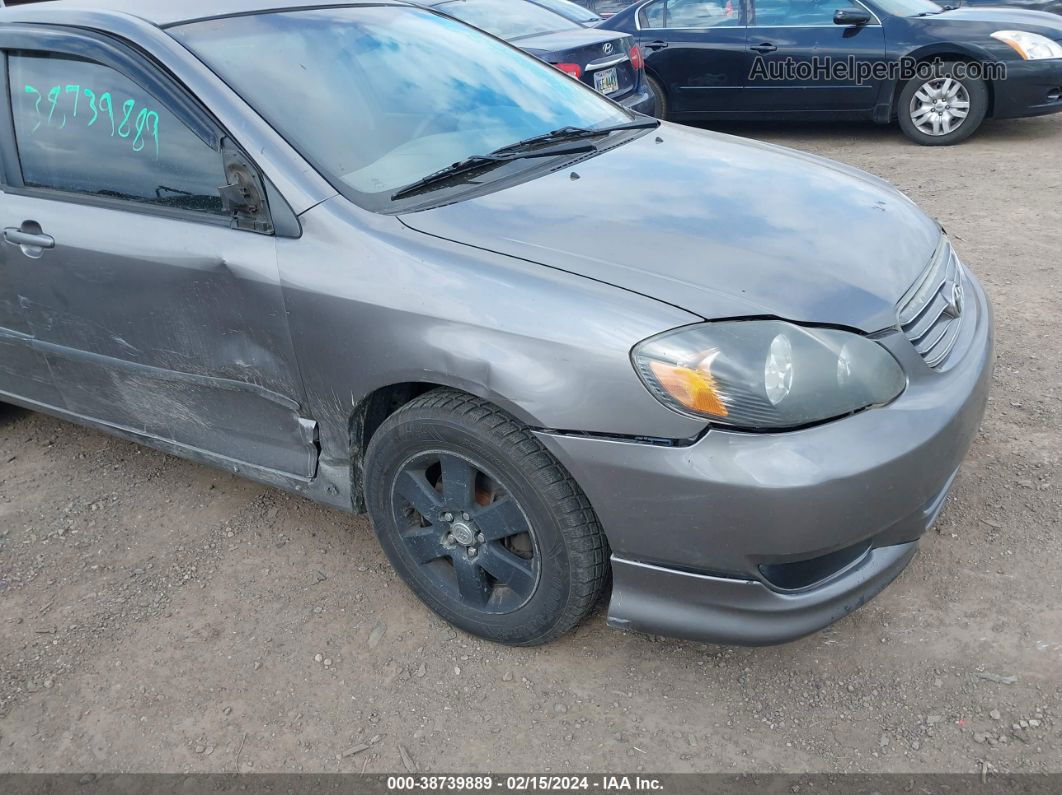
pixel 608 61
pixel 938 72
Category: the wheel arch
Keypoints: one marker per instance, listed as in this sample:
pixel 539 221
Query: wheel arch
pixel 371 411
pixel 656 78
pixel 945 52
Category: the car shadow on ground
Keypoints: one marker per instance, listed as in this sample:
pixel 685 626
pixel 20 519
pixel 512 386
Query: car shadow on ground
pixel 10 414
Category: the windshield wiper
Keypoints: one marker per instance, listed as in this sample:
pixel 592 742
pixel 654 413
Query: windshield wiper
pixel 481 162
pixel 529 147
pixel 575 133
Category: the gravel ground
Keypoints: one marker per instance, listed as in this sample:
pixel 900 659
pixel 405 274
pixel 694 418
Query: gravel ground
pixel 161 616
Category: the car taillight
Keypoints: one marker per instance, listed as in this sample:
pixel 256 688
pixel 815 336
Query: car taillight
pixel 572 69
pixel 636 58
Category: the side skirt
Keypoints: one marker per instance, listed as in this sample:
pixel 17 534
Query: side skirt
pixel 325 488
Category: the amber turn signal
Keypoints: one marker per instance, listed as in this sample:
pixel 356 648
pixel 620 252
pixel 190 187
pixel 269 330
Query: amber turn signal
pixel 694 389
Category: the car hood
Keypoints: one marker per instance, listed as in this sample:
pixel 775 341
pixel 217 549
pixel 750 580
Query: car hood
pixel 563 40
pixel 716 225
pixel 1002 18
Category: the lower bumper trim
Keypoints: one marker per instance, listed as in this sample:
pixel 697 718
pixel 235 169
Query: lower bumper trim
pixel 640 102
pixel 659 600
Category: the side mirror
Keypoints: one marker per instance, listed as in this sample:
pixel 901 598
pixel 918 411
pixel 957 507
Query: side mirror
pixel 244 196
pixel 851 16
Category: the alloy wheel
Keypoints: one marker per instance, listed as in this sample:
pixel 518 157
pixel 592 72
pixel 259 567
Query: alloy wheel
pixel 940 106
pixel 466 532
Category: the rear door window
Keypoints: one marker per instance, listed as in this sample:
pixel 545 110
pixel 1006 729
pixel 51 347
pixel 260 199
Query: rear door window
pixel 691 14
pixel 702 13
pixel 796 13
pixel 652 15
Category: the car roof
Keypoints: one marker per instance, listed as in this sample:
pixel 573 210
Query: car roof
pixel 166 12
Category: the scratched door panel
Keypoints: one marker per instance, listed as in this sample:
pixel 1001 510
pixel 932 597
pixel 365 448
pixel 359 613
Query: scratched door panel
pixel 167 327
pixel 23 370
pixel 154 315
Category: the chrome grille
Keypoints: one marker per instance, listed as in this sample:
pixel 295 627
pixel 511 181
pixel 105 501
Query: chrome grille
pixel 930 313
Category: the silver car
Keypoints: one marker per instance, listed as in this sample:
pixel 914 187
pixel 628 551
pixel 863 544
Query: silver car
pixel 368 254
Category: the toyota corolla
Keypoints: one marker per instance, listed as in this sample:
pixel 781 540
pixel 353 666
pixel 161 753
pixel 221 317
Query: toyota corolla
pixel 369 254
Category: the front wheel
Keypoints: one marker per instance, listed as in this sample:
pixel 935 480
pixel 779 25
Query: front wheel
pixel 481 521
pixel 944 109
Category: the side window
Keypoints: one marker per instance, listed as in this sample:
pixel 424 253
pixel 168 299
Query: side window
pixel 809 13
pixel 652 15
pixel 702 13
pixel 85 128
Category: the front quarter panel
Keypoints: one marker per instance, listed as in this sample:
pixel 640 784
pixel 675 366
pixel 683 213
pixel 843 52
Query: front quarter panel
pixel 952 35
pixel 373 303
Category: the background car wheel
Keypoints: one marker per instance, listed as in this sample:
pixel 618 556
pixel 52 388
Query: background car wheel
pixel 660 107
pixel 481 521
pixel 944 109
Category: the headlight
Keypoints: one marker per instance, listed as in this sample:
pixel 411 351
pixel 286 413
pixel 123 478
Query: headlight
pixel 1030 46
pixel 766 374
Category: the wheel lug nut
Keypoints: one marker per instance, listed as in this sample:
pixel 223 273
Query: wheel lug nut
pixel 465 516
pixel 472 552
pixel 447 517
pixel 480 537
pixel 449 540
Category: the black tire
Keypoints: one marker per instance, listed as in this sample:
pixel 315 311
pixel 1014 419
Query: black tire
pixel 660 105
pixel 558 566
pixel 974 88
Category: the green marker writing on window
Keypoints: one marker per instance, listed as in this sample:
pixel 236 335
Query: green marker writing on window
pixel 139 124
pixel 36 105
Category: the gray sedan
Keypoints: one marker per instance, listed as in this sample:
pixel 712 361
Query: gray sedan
pixel 368 254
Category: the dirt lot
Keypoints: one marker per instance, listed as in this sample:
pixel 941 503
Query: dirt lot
pixel 157 615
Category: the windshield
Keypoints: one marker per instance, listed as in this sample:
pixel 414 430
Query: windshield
pixel 570 10
pixel 507 19
pixel 908 8
pixel 377 97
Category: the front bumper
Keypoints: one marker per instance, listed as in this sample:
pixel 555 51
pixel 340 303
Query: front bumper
pixel 700 607
pixel 762 538
pixel 1032 88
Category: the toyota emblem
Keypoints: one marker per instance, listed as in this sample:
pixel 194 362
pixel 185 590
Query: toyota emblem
pixel 953 303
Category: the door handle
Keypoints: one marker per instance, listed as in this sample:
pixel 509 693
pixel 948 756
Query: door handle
pixel 764 48
pixel 31 243
pixel 656 45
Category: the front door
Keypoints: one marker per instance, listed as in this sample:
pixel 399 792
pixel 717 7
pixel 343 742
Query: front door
pixel 697 50
pixel 798 41
pixel 23 369
pixel 155 315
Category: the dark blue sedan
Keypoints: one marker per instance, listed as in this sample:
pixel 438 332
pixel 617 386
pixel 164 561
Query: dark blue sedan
pixel 606 60
pixel 938 72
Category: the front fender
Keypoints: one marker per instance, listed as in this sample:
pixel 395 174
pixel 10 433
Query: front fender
pixel 373 303
pixel 945 50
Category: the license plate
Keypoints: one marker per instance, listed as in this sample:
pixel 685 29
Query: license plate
pixel 606 81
